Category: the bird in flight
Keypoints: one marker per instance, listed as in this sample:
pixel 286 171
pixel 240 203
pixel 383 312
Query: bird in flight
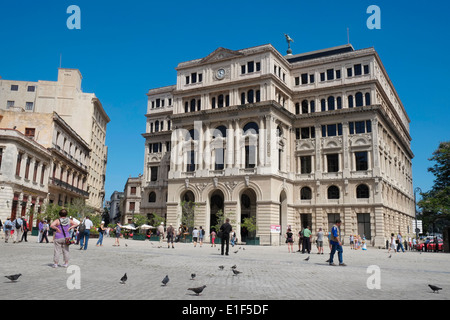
pixel 13 277
pixel 197 290
pixel 124 279
pixel 165 280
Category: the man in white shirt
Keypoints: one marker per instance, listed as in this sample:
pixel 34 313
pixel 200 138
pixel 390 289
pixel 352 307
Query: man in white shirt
pixel 84 235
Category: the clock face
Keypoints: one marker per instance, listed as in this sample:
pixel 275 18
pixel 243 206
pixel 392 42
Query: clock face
pixel 220 74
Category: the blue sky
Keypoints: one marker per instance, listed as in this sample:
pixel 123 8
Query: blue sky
pixel 124 48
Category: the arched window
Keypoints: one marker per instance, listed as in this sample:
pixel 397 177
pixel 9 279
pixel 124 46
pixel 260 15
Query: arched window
pixel 253 127
pixel 368 99
pixel 192 135
pixel 304 106
pixel 359 99
pixel 152 197
pixel 333 192
pixel 350 101
pixel 331 103
pixel 220 131
pixel 250 96
pixel 306 193
pixel 362 191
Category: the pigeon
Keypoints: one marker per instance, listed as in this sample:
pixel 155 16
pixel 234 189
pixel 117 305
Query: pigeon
pixel 126 245
pixel 240 248
pixel 236 272
pixel 390 256
pixel 233 267
pixel 243 248
pixel 221 267
pixel 193 276
pixel 13 277
pixel 307 259
pixel 197 290
pixel 434 288
pixel 165 280
pixel 236 251
pixel 124 279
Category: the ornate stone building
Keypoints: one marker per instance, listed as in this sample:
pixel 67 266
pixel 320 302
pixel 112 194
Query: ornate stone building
pixel 296 140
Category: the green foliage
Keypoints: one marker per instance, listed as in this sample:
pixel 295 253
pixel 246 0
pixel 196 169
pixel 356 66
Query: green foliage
pixel 188 209
pixel 435 204
pixel 220 218
pixel 249 224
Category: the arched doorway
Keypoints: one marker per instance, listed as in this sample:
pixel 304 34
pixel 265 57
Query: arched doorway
pixel 216 211
pixel 188 207
pixel 248 210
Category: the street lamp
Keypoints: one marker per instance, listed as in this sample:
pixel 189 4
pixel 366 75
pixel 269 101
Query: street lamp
pixel 417 189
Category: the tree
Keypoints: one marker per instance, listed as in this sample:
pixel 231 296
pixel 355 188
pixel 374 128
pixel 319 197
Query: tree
pixel 188 209
pixel 435 204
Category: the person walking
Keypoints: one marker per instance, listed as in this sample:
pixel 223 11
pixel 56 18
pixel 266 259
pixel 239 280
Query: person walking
pixel 117 231
pixel 44 231
pixel 84 235
pixel 320 236
pixel 25 230
pixel 160 232
pixel 336 245
pixel 170 235
pixel 62 228
pixel 18 229
pixel 201 234
pixel 225 230
pixel 392 244
pixel 300 240
pixel 306 240
pixel 7 227
pixel 101 233
pixel 213 238
pixel 195 236
pixel 232 238
pixel 400 243
pixel 290 240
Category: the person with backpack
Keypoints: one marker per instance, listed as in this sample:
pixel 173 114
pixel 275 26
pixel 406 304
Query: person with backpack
pixel 117 230
pixel 7 227
pixel 25 230
pixel 18 229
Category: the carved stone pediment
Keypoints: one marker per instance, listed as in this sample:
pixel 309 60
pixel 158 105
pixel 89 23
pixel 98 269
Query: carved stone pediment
pixel 221 54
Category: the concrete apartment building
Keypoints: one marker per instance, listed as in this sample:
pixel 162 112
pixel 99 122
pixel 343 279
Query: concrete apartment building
pixel 296 140
pixel 83 112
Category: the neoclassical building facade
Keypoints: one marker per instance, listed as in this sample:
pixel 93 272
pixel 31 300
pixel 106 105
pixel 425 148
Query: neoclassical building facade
pixel 296 140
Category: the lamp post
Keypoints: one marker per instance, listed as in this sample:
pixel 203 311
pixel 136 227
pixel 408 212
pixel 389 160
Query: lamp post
pixel 417 189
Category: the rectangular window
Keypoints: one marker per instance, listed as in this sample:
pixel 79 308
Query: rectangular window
pixel 133 190
pixel 360 127
pixel 220 157
pixel 358 70
pixel 338 74
pixel 14 87
pixel 250 66
pixel 30 132
pixel 9 104
pixel 305 133
pixel 1 156
pixel 158 103
pixel 331 130
pixel 194 77
pixel 297 133
pixel 19 163
pixel 153 173
pixel 250 156
pixel 27 167
pixel 36 165
pixel 349 72
pixel 297 81
pixel 322 76
pixel 258 66
pixel 243 69
pixel 330 74
pixel 31 89
pixel 311 78
pixel 305 78
pixel 132 206
pixel 42 173
pixel 200 77
pixel 366 69
pixel 305 164
pixel 333 162
pixel 187 79
pixel 361 161
pixel 368 126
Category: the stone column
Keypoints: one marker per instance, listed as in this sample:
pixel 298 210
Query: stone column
pixel 229 145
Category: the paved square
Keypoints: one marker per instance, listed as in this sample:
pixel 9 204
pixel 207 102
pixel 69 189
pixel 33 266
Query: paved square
pixel 268 273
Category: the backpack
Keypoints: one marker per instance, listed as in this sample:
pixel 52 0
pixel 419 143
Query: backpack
pixel 82 227
pixel 17 224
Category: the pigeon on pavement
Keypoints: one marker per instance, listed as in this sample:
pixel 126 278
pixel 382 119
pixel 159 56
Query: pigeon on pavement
pixel 193 276
pixel 434 288
pixel 197 290
pixel 236 272
pixel 165 280
pixel 233 267
pixel 307 259
pixel 124 279
pixel 221 267
pixel 13 277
